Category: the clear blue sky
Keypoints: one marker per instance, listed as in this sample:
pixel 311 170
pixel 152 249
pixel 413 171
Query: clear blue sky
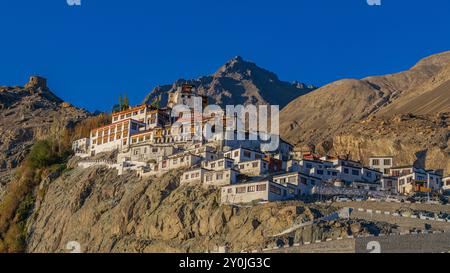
pixel 92 53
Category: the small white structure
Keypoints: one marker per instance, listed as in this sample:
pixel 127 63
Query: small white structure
pixel 446 183
pixel 81 147
pixel 389 184
pixel 220 178
pixel 242 154
pixel 381 163
pixel 219 164
pixel 254 191
pixel 194 176
pixel 255 167
pixel 303 182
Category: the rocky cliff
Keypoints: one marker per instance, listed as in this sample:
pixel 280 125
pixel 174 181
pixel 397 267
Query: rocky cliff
pixel 26 114
pixel 340 116
pixel 241 82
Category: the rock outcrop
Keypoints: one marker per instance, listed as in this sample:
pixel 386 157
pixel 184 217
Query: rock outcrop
pixel 27 114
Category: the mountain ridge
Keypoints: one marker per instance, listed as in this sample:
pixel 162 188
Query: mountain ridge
pixel 240 82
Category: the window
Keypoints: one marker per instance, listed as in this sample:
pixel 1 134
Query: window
pixel 255 164
pixel 387 162
pixel 208 178
pixel 219 176
pixel 154 150
pixel 251 189
pixel 262 187
pixel 220 164
pixel 346 170
pixel 320 172
pixel 355 172
pixel 230 190
pixel 213 165
pixel 187 176
pixel 308 166
pixel 241 189
pixel 275 190
pixel 236 154
pixel 375 162
pixel 136 152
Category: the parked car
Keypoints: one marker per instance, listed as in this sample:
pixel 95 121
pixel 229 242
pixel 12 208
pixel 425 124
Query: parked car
pixel 342 199
pixel 443 216
pixel 359 198
pixel 425 215
pixel 393 199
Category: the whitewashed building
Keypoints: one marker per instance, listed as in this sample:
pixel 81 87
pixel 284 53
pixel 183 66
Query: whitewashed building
pixel 389 184
pixel 220 177
pixel 115 136
pixel 194 176
pixel 255 167
pixel 254 191
pixel 219 164
pixel 381 163
pixel 243 154
pixel 303 182
pixel 81 147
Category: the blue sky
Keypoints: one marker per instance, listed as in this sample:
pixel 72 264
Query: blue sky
pixel 92 53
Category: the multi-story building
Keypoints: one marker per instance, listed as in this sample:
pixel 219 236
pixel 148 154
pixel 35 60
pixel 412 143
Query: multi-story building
pixel 186 95
pixel 146 114
pixel 381 163
pixel 412 179
pixel 81 147
pixel 115 136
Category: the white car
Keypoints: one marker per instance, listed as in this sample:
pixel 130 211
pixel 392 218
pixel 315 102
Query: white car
pixel 342 199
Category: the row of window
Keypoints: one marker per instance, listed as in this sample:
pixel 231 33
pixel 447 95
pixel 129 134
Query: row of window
pixel 128 115
pixel 252 188
pixel 386 162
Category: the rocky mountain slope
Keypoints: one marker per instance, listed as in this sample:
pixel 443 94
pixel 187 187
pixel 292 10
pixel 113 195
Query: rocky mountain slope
pixel 109 213
pixel 340 108
pixel 241 82
pixel 26 114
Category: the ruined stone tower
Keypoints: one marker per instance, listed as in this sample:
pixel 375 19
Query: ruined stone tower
pixel 37 82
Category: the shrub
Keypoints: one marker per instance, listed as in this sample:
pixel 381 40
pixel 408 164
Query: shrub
pixel 42 154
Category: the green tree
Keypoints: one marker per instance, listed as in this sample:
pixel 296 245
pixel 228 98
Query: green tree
pixel 126 102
